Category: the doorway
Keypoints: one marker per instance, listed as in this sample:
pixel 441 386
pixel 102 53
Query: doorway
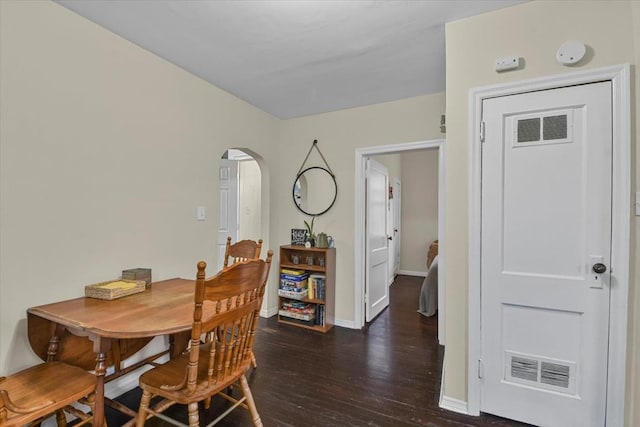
pixel 362 154
pixel 616 304
pixel 240 199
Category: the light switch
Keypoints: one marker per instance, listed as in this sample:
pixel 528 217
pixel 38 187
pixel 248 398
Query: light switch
pixel 638 203
pixel 200 213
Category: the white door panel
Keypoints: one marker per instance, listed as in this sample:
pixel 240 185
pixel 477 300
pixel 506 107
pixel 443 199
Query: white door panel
pixel 546 217
pixel 228 198
pixel 377 259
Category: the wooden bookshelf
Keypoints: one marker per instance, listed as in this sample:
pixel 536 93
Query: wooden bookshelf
pixel 324 322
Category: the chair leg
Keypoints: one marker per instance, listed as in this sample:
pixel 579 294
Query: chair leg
pixel 61 418
pixel 91 402
pixel 253 361
pixel 255 417
pixel 142 411
pixel 193 415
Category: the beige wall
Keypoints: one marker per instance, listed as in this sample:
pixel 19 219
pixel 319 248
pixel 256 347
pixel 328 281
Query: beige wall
pixel 249 204
pixel 339 134
pixel 532 30
pixel 105 152
pixel 419 208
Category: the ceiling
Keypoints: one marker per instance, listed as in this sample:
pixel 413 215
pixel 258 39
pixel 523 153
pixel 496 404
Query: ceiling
pixel 294 58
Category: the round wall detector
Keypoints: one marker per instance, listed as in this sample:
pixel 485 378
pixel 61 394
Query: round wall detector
pixel 571 52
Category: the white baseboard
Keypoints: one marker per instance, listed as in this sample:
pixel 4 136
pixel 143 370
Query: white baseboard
pixel 268 312
pixel 345 323
pixel 454 405
pixel 413 273
pixel 449 403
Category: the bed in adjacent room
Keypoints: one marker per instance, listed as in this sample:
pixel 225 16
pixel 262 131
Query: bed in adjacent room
pixel 428 303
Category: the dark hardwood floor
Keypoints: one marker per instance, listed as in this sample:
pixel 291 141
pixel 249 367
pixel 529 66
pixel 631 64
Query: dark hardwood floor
pixel 386 375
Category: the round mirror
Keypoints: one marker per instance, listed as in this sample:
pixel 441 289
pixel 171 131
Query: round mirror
pixel 315 191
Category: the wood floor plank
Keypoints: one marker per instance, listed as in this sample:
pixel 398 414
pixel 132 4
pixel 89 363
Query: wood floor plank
pixel 386 375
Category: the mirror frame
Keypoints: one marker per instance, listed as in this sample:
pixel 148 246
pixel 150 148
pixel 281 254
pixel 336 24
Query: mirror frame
pixel 335 194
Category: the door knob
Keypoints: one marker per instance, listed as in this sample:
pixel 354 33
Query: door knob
pixel 599 268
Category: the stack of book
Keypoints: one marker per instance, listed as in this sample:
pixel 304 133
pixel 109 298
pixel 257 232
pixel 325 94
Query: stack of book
pixel 298 311
pixel 293 283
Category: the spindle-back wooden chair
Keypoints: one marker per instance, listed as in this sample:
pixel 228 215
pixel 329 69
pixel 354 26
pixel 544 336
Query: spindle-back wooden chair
pixel 241 251
pixel 227 307
pixel 33 394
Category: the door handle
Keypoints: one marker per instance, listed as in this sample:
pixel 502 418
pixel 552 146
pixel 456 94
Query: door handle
pixel 599 268
pixel 389 238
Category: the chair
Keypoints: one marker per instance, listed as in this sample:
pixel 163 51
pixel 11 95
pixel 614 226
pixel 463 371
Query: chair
pixel 241 251
pixel 227 308
pixel 29 396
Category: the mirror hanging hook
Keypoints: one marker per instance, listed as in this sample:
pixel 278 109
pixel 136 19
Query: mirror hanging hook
pixel 314 144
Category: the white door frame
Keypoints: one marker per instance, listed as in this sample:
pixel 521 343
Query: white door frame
pixel 359 230
pixel 619 75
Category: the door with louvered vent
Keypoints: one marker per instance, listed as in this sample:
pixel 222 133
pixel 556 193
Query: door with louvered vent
pixel 546 244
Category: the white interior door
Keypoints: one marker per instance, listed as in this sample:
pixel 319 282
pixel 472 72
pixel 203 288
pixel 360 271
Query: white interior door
pixel 228 198
pixel 391 243
pixel 397 224
pixel 377 254
pixel 546 230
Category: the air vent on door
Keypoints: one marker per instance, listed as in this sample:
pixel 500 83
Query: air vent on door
pixel 526 369
pixel 554 127
pixel 529 130
pixel 553 374
pixel 540 372
pixel 542 128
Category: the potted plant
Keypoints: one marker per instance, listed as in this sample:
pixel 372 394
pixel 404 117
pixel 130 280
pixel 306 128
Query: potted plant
pixel 311 237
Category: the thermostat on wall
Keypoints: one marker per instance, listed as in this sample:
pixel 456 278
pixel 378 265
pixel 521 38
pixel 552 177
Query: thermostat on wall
pixel 571 52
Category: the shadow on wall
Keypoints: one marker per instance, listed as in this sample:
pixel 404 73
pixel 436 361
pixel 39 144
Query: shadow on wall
pixel 20 355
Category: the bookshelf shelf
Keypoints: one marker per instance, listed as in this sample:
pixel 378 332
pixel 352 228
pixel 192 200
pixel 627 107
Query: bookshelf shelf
pixel 308 278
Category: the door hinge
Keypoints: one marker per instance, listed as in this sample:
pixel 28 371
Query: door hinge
pixel 480 368
pixel 481 131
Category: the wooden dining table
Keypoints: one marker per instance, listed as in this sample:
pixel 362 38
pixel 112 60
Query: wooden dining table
pixel 95 333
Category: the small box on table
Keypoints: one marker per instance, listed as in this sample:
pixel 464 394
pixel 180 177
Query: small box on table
pixel 138 274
